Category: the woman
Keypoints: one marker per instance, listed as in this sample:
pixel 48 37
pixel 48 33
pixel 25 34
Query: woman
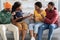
pixel 18 19
pixel 39 15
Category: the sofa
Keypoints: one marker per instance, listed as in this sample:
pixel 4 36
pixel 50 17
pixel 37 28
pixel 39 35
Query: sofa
pixel 56 35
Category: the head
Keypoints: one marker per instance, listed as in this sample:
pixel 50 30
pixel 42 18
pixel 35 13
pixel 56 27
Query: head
pixel 38 5
pixel 16 6
pixel 51 5
pixel 7 6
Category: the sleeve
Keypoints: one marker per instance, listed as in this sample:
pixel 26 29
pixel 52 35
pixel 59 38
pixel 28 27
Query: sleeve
pixel 53 19
pixel 44 13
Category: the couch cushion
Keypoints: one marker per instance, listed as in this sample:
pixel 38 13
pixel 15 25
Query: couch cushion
pixel 59 21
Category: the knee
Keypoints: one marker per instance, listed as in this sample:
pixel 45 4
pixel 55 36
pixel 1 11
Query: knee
pixel 37 25
pixel 18 24
pixel 16 29
pixel 25 24
pixel 52 26
pixel 30 25
pixel 3 28
pixel 41 27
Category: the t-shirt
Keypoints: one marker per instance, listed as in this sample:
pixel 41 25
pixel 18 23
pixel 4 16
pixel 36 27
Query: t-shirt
pixel 18 15
pixel 5 17
pixel 38 15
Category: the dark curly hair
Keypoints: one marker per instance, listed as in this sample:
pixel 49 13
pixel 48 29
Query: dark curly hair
pixel 51 3
pixel 16 5
pixel 39 4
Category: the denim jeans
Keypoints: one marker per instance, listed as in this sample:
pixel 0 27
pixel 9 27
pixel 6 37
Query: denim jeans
pixel 35 26
pixel 51 28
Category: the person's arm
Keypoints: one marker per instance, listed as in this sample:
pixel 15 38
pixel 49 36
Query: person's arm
pixel 53 20
pixel 24 17
pixel 43 16
pixel 12 19
pixel 17 18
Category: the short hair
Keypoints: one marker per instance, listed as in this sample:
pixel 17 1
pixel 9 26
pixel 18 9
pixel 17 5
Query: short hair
pixel 39 4
pixel 51 3
pixel 16 5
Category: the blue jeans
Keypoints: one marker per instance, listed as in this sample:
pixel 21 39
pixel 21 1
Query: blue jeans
pixel 35 26
pixel 51 28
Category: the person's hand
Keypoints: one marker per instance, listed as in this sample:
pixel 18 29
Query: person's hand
pixel 30 15
pixel 42 15
pixel 37 19
pixel 13 13
pixel 18 18
pixel 13 22
pixel 31 18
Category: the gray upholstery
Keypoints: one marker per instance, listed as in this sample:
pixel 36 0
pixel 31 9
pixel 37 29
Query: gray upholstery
pixel 56 35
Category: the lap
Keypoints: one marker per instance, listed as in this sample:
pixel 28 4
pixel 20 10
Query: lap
pixel 34 26
pixel 48 26
pixel 22 25
pixel 11 27
pixel 39 24
pixel 2 28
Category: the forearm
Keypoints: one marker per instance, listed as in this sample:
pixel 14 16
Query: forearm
pixel 47 20
pixel 50 21
pixel 25 17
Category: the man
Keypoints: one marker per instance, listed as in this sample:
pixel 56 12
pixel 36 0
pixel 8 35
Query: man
pixel 50 21
pixel 5 22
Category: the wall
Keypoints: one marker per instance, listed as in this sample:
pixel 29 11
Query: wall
pixel 1 5
pixel 59 5
pixel 28 5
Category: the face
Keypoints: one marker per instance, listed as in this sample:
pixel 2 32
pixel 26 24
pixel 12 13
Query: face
pixel 8 9
pixel 19 8
pixel 50 7
pixel 36 7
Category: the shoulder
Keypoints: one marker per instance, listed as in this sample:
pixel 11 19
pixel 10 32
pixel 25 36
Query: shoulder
pixel 2 10
pixel 35 12
pixel 43 11
pixel 55 11
pixel 13 13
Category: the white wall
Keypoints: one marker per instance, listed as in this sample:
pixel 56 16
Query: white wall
pixel 28 5
pixel 59 5
pixel 1 5
pixel 2 1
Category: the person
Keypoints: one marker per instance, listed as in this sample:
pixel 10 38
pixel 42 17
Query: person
pixel 39 15
pixel 5 22
pixel 18 19
pixel 50 21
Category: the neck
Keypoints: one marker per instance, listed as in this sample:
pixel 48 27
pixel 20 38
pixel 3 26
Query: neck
pixel 18 10
pixel 51 8
pixel 39 10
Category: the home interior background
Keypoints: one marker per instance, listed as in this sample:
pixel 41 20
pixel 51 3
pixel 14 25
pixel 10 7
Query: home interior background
pixel 30 4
